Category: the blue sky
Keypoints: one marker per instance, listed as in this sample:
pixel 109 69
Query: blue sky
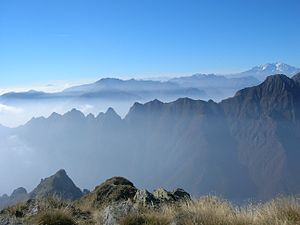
pixel 49 40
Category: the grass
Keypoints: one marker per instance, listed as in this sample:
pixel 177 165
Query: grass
pixel 215 211
pixel 148 219
pixel 54 218
pixel 208 210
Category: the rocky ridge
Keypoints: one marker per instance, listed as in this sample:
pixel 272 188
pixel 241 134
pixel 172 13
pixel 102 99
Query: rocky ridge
pixel 116 196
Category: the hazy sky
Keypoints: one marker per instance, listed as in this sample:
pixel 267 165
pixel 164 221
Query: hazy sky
pixel 48 40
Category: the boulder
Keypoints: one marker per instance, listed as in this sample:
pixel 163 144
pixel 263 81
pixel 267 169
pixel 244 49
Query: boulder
pixel 114 212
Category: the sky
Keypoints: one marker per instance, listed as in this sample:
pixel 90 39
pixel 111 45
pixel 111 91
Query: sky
pixel 42 41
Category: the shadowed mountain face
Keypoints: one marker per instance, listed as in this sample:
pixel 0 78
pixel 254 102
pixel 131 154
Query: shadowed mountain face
pixel 296 78
pixel 245 146
pixel 265 121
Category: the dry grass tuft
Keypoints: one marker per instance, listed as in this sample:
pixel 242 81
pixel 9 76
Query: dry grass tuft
pixel 207 210
pixel 147 219
pixel 211 210
pixel 54 218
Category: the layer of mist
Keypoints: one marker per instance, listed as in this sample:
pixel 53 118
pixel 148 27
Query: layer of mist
pixel 243 147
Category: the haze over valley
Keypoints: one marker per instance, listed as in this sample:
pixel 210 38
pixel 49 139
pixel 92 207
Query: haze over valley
pixel 130 112
pixel 16 107
pixel 172 144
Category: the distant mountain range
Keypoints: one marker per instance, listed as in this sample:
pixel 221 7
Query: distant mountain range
pixel 18 195
pixel 114 90
pixel 243 147
pixel 198 86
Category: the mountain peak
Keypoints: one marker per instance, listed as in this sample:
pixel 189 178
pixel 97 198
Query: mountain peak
pixel 74 113
pixel 110 110
pixel 108 80
pixel 19 191
pixel 275 97
pixel 278 82
pixel 61 172
pixel 262 71
pixel 59 184
pixel 272 85
pixel 278 66
pixel 110 115
pixel 275 77
pixel 54 116
pixel 156 102
pixel 90 116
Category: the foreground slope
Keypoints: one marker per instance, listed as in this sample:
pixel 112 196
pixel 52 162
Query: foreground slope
pixel 118 202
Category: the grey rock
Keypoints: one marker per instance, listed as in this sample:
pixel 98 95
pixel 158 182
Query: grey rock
pixel 145 198
pixel 180 194
pixel 113 213
pixel 85 191
pixel 9 221
pixel 163 195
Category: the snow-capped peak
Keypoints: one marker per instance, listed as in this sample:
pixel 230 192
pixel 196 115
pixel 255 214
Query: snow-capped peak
pixel 262 71
pixel 272 66
pixel 278 66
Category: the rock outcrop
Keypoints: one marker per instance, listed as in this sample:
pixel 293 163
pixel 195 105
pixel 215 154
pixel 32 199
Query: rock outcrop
pixel 115 198
pixel 119 189
pixel 115 189
pixel 145 198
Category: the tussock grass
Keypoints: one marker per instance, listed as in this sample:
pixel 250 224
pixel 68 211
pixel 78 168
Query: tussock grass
pixel 208 210
pixel 54 218
pixel 211 210
pixel 280 211
pixel 16 210
pixel 148 219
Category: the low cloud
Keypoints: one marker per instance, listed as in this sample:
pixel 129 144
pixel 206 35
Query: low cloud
pixel 10 109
